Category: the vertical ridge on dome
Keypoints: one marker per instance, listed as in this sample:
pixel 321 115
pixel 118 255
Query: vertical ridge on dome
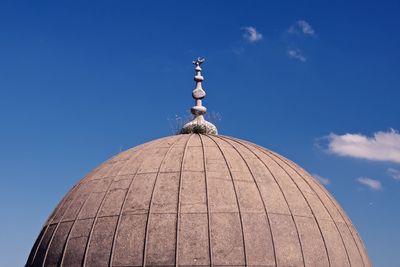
pixel 94 223
pixel 305 197
pixel 357 241
pixel 237 200
pixel 340 234
pixel 65 258
pixel 302 192
pixel 178 214
pixel 203 148
pixel 147 229
pixel 324 203
pixel 278 248
pixel 261 197
pixel 74 199
pixel 60 207
pixel 133 212
pixel 96 218
pixel 351 260
pixel 39 240
pixel 112 253
pixel 340 212
pixel 69 233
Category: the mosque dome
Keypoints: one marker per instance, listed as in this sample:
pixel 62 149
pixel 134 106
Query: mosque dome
pixel 198 199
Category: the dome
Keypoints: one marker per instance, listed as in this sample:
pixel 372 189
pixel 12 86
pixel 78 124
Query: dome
pixel 198 200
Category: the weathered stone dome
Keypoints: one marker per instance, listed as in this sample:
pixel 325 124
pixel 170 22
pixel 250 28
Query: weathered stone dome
pixel 198 200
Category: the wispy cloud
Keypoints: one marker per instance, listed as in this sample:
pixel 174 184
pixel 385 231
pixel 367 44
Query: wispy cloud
pixel 238 50
pixel 302 26
pixel 372 184
pixel 251 34
pixel 296 54
pixel 323 180
pixel 382 146
pixel 395 174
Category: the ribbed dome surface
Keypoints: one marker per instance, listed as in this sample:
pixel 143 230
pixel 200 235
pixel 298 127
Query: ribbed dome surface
pixel 198 200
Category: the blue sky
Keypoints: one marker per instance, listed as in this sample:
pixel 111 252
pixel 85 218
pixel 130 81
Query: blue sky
pixel 316 81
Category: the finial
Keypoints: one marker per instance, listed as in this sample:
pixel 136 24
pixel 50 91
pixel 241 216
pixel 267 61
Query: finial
pixel 198 124
pixel 198 92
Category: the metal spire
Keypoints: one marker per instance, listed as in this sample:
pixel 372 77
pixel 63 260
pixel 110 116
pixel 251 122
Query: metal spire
pixel 198 92
pixel 198 124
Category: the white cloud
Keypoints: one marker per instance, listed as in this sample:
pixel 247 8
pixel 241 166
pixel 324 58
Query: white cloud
pixel 238 50
pixel 305 27
pixel 370 183
pixel 251 34
pixel 302 26
pixel 382 146
pixel 395 174
pixel 323 180
pixel 295 53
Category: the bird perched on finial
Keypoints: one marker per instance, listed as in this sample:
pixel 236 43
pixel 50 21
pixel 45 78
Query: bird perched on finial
pixel 199 61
